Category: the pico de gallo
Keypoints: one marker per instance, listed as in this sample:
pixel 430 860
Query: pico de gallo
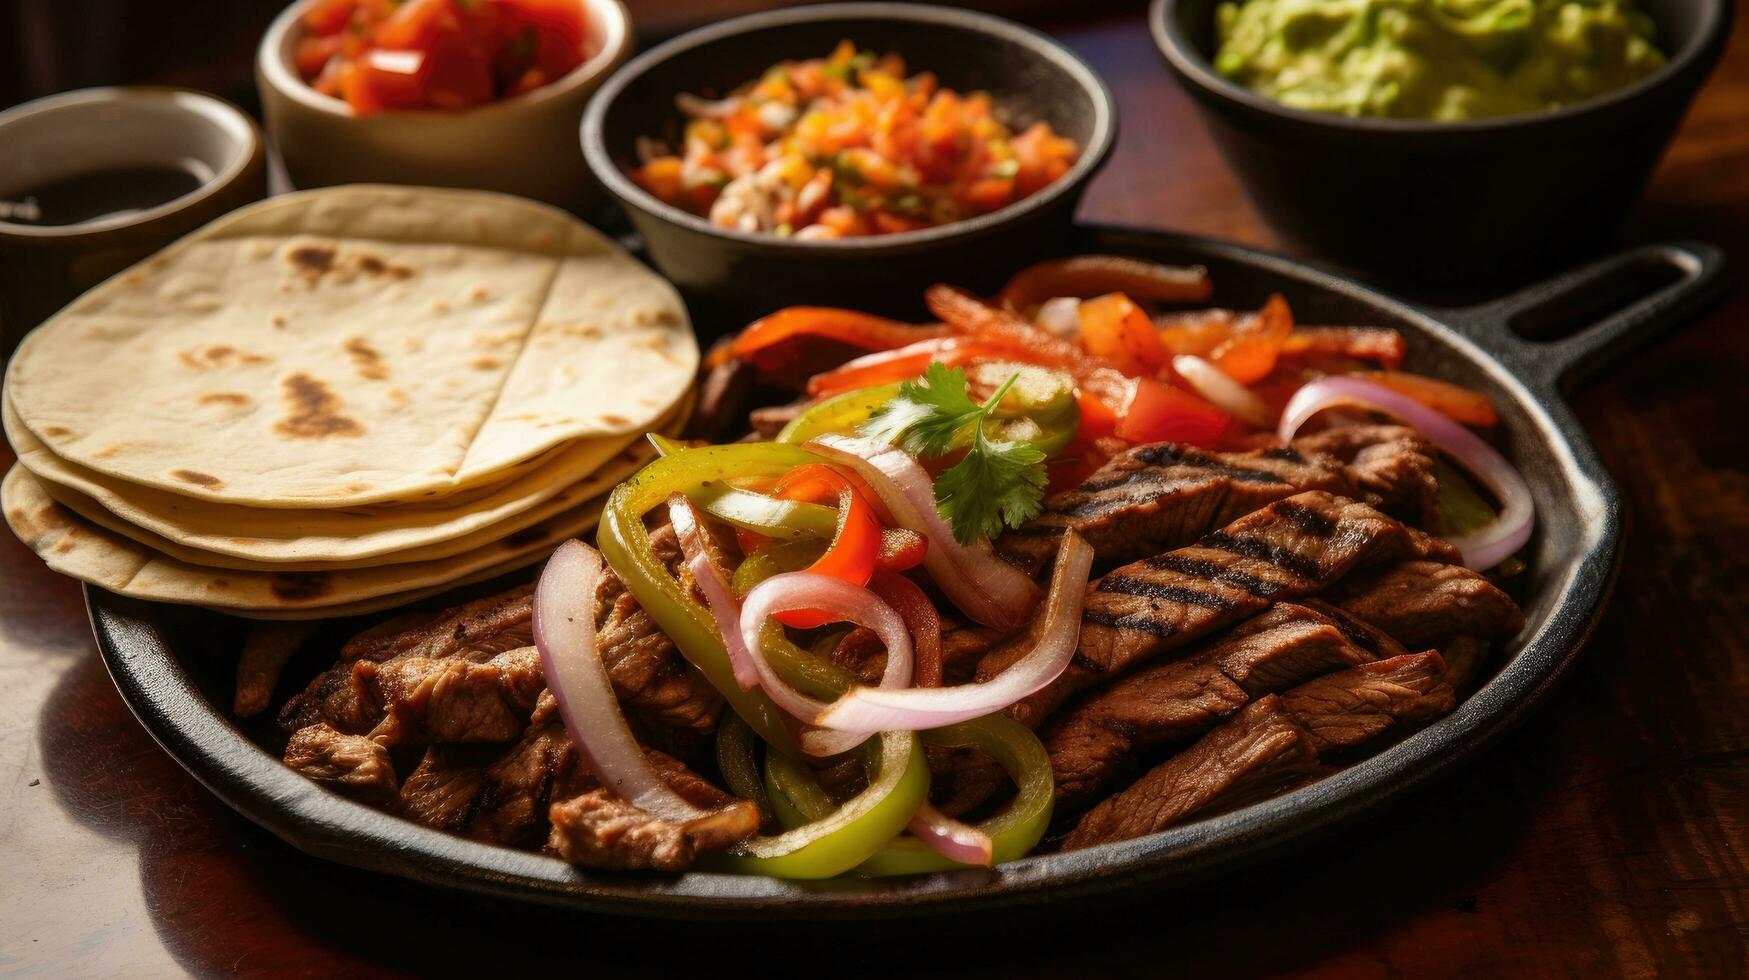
pixel 386 55
pixel 848 145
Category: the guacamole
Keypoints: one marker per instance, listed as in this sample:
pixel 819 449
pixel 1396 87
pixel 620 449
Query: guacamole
pixel 1434 59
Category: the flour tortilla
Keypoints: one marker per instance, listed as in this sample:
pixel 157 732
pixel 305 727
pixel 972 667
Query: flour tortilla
pixel 79 549
pixel 356 345
pixel 229 536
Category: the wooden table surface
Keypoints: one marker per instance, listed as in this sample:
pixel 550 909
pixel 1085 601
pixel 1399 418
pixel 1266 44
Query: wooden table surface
pixel 1607 837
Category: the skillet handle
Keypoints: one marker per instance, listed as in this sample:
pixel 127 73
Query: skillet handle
pixel 1565 332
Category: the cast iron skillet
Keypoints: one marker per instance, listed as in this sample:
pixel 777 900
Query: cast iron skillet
pixel 174 666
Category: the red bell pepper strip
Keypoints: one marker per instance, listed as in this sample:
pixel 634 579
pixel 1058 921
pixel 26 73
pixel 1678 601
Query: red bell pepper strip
pixel 922 621
pixel 901 548
pixel 849 326
pixel 855 548
pixel 1091 275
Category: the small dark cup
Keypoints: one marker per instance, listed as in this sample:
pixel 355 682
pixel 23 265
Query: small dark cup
pixel 1481 204
pixel 730 276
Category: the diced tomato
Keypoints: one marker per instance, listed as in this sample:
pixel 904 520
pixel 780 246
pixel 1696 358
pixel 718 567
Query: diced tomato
pixel 1119 331
pixel 385 80
pixel 661 177
pixel 1161 413
pixel 314 51
pixel 1453 401
pixel 458 75
pixel 328 17
pixel 416 23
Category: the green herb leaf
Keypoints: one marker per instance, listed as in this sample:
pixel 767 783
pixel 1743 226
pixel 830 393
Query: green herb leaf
pixel 998 482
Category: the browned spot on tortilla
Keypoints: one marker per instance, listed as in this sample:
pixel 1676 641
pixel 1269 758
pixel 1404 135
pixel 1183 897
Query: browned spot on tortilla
pixel 616 420
pixel 357 487
pixel 311 260
pixel 224 398
pixel 218 585
pixel 66 545
pixel 108 451
pixel 297 586
pixel 656 318
pixel 278 321
pixel 198 478
pixel 527 536
pixel 49 516
pixel 248 358
pixel 478 294
pixel 134 279
pixel 365 360
pixel 396 395
pixel 314 411
pixel 488 363
pixel 189 359
pixel 439 306
pixel 373 266
pixel 56 431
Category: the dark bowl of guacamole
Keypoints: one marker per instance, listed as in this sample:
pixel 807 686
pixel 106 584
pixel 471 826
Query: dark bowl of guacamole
pixel 1443 144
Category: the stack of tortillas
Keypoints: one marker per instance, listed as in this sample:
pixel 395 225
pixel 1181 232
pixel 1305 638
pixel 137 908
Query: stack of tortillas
pixel 341 400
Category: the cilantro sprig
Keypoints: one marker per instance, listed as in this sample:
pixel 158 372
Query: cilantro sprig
pixel 998 482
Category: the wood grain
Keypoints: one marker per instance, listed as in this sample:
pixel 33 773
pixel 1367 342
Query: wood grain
pixel 1607 837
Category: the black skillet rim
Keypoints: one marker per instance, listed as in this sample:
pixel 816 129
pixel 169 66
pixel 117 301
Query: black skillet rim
pixel 205 741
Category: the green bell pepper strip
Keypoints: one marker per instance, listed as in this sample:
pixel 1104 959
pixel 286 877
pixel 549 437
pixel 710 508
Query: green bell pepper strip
pixel 784 556
pixel 1461 508
pixel 796 797
pixel 898 784
pixel 625 544
pixel 842 413
pixel 739 762
pixel 768 515
pixel 1038 407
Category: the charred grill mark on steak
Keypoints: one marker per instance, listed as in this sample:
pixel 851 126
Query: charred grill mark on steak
pixel 1263 555
pixel 1125 585
pixel 1273 744
pixel 1098 740
pixel 1159 496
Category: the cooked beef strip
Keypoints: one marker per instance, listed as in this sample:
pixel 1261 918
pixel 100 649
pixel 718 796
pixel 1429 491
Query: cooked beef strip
pixel 1293 547
pixel 453 699
pixel 266 649
pixel 723 395
pixel 511 800
pixel 353 764
pixel 1275 743
pixel 1098 741
pixel 649 675
pixel 963 644
pixel 1350 709
pixel 601 830
pixel 1257 753
pixel 1152 498
pixel 1423 602
pixel 1392 462
pixel 476 632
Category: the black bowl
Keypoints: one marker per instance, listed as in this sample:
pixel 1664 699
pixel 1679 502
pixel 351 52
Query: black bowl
pixel 739 275
pixel 1478 204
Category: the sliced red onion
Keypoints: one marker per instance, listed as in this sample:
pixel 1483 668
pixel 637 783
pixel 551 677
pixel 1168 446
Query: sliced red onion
pixel 950 838
pixel 1481 549
pixel 564 631
pixel 1221 390
pixel 866 710
pixel 984 587
pixel 719 598
pixel 845 603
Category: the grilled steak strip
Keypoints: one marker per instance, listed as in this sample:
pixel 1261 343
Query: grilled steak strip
pixel 1291 548
pixel 1351 709
pixel 1257 753
pixel 1273 744
pixel 540 789
pixel 1394 463
pixel 453 699
pixel 1424 603
pixel 1097 742
pixel 1151 498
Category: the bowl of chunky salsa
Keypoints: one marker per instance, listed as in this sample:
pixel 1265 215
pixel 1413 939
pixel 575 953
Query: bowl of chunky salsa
pixel 845 145
pixel 482 94
pixel 848 150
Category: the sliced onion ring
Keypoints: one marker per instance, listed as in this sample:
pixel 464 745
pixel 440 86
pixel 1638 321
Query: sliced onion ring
pixel 719 598
pixel 1222 391
pixel 564 632
pixel 866 710
pixel 950 838
pixel 843 601
pixel 1481 549
pixel 984 587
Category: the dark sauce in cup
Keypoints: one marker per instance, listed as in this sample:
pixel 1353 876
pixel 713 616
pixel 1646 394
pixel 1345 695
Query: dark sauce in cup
pixel 101 194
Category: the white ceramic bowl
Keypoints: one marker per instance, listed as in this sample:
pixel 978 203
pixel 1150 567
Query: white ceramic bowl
pixel 526 145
